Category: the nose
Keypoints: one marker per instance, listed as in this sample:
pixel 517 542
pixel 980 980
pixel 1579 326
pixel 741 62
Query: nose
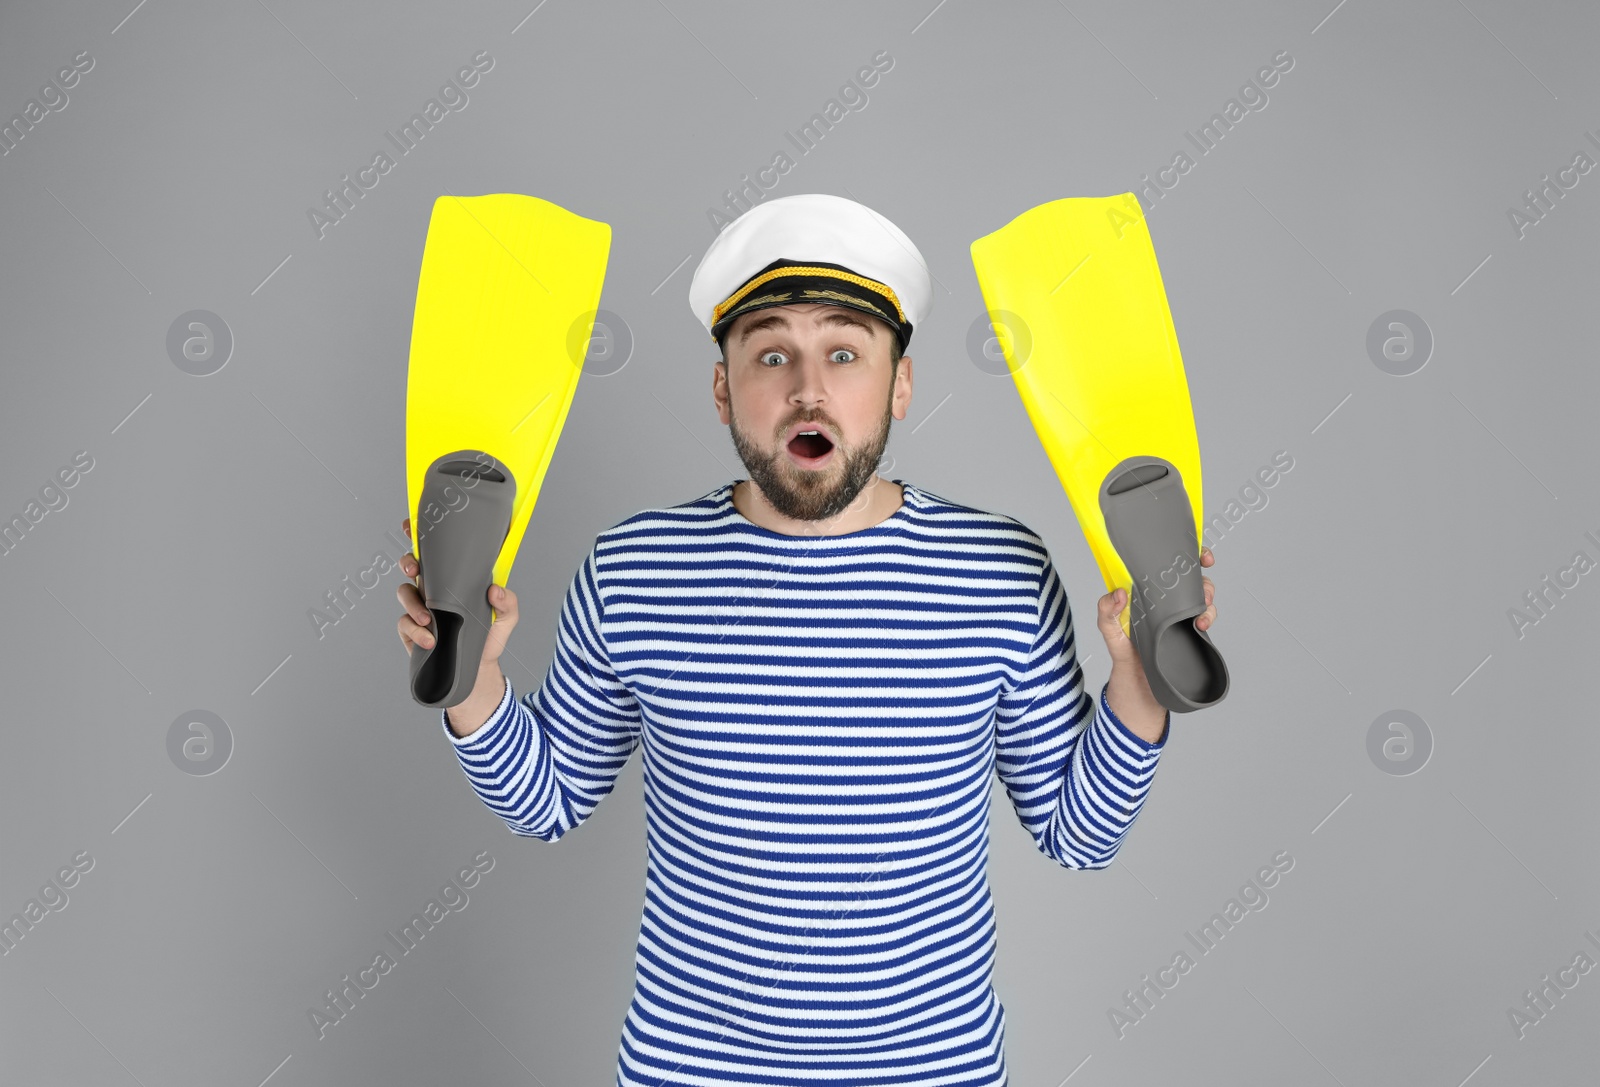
pixel 809 389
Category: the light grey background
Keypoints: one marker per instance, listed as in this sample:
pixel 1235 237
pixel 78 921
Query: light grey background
pixel 220 510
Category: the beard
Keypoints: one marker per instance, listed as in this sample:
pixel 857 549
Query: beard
pixel 807 495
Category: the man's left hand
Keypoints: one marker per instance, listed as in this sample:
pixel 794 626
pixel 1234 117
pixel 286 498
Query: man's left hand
pixel 1128 691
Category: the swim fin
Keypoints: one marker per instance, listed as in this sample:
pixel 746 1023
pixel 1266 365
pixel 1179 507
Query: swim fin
pixel 1076 301
pixel 506 301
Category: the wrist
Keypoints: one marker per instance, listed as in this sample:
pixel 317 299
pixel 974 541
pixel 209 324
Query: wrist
pixel 489 692
pixel 1131 700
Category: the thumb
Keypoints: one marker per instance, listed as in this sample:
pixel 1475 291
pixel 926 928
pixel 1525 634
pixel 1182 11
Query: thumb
pixel 504 602
pixel 1117 643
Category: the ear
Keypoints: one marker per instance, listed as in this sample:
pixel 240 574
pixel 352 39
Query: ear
pixel 902 388
pixel 719 390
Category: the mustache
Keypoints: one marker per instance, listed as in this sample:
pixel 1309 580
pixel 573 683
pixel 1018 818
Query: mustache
pixel 819 419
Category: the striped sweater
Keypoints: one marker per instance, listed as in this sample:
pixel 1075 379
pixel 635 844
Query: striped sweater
pixel 819 718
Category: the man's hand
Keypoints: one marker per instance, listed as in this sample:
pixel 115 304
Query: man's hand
pixel 1128 692
pixel 413 625
pixel 490 687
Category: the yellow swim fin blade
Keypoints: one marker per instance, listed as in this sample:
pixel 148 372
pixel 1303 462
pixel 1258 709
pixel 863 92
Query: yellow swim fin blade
pixel 506 301
pixel 1076 301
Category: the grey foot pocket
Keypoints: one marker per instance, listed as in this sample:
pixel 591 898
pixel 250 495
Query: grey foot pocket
pixel 471 493
pixel 1150 523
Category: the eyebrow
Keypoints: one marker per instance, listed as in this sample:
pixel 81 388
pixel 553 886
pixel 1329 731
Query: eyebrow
pixel 778 320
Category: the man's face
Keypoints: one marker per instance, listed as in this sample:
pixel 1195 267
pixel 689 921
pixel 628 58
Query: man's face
pixel 810 367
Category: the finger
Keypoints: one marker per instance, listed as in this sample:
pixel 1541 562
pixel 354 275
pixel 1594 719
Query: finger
pixel 1111 605
pixel 413 634
pixel 406 525
pixel 1118 643
pixel 504 602
pixel 1206 557
pixel 1211 589
pixel 411 600
pixel 409 565
pixel 1205 619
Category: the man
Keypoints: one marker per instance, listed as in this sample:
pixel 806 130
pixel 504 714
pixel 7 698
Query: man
pixel 823 668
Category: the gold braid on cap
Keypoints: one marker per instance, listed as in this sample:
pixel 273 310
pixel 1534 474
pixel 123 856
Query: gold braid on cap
pixel 807 269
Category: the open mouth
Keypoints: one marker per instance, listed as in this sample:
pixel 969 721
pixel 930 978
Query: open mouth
pixel 810 445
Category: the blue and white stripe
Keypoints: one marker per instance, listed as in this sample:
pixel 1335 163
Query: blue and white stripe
pixel 820 718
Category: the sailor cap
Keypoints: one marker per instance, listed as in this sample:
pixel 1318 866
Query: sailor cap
pixel 812 248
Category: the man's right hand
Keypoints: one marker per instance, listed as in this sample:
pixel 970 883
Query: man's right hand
pixel 413 625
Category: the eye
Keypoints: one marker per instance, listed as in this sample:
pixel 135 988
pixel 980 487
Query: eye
pixel 843 351
pixel 765 355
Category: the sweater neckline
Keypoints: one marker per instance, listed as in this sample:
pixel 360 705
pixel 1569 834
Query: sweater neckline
pixel 910 498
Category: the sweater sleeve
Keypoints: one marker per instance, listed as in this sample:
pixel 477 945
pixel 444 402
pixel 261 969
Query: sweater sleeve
pixel 1077 776
pixel 544 763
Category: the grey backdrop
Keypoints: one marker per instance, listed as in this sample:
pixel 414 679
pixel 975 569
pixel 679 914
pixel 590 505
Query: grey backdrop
pixel 1426 760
